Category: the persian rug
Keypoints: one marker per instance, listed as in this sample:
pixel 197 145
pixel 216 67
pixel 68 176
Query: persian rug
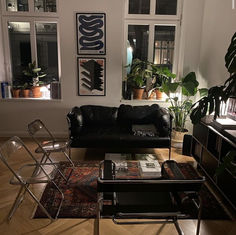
pixel 81 194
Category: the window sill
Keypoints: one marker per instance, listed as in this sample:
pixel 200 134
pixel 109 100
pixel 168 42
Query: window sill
pixel 29 99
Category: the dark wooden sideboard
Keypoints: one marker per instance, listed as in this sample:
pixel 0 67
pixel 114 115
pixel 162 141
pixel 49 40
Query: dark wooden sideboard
pixel 209 147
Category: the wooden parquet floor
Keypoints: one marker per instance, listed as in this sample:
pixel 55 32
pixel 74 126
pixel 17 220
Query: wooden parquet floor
pixel 22 222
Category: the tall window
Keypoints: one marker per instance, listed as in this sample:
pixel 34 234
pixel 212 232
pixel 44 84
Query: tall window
pixel 32 38
pixel 152 29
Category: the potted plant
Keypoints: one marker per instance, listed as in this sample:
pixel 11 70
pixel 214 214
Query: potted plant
pixel 25 90
pixel 180 95
pixel 16 88
pixel 138 76
pixel 216 96
pixel 159 75
pixel 35 73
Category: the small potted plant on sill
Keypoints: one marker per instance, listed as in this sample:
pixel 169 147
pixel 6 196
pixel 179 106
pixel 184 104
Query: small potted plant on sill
pixel 138 77
pixel 159 75
pixel 16 88
pixel 25 90
pixel 36 74
pixel 180 94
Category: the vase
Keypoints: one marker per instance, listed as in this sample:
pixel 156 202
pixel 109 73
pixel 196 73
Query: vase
pixel 25 93
pixel 36 91
pixel 16 93
pixel 158 94
pixel 177 138
pixel 138 93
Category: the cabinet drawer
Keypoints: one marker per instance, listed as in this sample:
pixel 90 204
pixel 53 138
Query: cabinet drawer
pixel 210 163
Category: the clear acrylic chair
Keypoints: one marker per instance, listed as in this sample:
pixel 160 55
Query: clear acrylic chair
pixel 51 145
pixel 31 173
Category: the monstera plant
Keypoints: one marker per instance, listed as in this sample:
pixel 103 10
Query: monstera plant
pixel 218 94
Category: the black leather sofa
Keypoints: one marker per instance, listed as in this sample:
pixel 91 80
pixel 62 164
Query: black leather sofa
pixel 92 126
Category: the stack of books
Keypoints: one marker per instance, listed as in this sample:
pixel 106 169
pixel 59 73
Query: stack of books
pixel 150 168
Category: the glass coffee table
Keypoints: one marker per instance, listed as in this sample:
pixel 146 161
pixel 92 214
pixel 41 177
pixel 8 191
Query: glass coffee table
pixel 125 193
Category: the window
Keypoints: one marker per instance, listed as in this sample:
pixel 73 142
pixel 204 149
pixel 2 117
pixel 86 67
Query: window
pixel 152 30
pixel 32 38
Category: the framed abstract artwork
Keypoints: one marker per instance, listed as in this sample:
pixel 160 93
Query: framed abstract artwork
pixel 91 33
pixel 91 76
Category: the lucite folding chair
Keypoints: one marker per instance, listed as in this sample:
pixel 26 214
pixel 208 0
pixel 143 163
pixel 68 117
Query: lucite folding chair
pixel 50 145
pixel 28 174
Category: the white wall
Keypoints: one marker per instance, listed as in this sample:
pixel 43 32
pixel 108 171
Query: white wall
pixel 217 29
pixel 15 114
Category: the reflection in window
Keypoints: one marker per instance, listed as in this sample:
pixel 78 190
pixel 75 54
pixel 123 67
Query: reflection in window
pixel 45 5
pixel 46 37
pixel 166 7
pixel 138 40
pixel 139 6
pixel 19 39
pixel 17 5
pixel 164 42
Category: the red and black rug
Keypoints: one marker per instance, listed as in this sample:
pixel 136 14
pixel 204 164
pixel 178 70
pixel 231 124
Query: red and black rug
pixel 81 195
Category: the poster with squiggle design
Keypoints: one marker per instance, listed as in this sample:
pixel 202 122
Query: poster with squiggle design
pixel 91 33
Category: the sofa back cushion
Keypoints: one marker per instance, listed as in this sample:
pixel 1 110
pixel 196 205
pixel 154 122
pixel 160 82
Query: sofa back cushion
pixel 99 115
pixel 129 115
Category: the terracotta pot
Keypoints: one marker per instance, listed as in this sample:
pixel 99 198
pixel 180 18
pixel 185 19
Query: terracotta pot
pixel 16 93
pixel 36 91
pixel 138 93
pixel 177 138
pixel 151 96
pixel 25 93
pixel 158 94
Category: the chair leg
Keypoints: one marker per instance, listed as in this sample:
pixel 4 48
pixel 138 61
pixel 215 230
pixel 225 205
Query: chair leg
pixel 179 230
pixel 199 216
pixel 69 159
pixel 17 202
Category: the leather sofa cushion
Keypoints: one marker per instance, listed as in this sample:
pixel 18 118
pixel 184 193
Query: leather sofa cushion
pixel 99 115
pixel 118 136
pixel 128 115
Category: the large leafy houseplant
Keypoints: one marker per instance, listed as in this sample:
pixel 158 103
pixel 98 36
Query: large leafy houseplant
pixel 35 73
pixel 180 95
pixel 138 76
pixel 216 96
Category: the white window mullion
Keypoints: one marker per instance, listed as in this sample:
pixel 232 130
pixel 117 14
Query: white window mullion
pixel 33 42
pixel 151 42
pixel 152 7
pixel 31 5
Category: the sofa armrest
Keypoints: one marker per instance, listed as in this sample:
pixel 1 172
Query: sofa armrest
pixel 163 122
pixel 75 122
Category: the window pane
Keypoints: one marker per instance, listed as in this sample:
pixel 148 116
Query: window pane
pixel 17 5
pixel 45 5
pixel 19 37
pixel 138 40
pixel 46 37
pixel 164 42
pixel 139 6
pixel 166 7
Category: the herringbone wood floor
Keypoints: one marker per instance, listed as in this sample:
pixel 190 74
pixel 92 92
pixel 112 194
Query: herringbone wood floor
pixel 22 223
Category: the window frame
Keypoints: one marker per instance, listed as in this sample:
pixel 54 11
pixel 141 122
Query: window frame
pixel 153 20
pixel 32 17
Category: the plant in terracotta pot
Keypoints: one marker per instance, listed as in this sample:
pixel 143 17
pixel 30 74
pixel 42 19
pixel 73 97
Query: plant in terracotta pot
pixel 16 88
pixel 180 95
pixel 138 76
pixel 25 90
pixel 36 74
pixel 159 75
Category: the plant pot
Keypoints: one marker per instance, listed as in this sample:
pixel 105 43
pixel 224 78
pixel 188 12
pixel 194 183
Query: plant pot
pixel 151 96
pixel 16 93
pixel 158 94
pixel 138 93
pixel 36 91
pixel 25 93
pixel 177 138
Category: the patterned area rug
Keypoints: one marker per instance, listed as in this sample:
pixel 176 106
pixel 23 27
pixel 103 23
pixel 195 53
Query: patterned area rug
pixel 81 195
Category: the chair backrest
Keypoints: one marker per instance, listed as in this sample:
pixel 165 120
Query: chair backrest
pixel 38 126
pixel 8 150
